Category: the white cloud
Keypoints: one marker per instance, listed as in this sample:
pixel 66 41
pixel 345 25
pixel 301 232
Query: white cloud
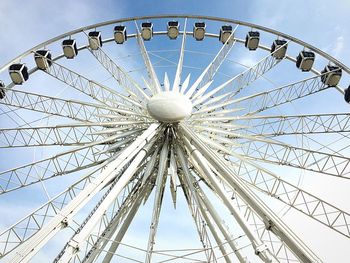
pixel 27 23
pixel 338 46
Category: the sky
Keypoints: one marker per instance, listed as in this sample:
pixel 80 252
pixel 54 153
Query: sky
pixel 317 22
pixel 324 24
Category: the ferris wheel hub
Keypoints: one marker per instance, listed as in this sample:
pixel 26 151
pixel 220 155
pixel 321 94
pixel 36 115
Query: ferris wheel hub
pixel 169 106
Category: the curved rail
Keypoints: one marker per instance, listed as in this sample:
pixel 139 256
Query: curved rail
pixel 225 20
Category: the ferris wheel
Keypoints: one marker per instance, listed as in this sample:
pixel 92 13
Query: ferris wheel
pixel 118 121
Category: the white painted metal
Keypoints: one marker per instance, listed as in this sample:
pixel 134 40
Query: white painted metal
pixel 25 252
pixel 260 248
pixel 169 106
pixel 185 84
pixel 276 226
pixel 151 72
pixel 159 187
pixel 224 136
pixel 177 80
pixel 210 71
pixel 75 242
pixel 194 205
pixel 120 234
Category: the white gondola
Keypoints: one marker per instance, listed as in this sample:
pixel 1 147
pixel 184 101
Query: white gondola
pixel 95 40
pixel 43 59
pixel 173 29
pixel 331 75
pixel 70 49
pixel 305 60
pixel 252 40
pixel 279 48
pixel 147 31
pixel 225 33
pixel 18 73
pixel 120 35
pixel 2 91
pixel 347 95
pixel 199 30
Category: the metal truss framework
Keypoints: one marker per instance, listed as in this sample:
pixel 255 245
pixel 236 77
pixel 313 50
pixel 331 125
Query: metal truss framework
pixel 123 155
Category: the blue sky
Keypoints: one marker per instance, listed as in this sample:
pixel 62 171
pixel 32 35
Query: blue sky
pixel 322 23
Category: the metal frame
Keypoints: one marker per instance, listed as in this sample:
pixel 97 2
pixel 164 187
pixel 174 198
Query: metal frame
pixel 126 155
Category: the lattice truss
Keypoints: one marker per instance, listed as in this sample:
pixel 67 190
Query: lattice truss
pixel 233 156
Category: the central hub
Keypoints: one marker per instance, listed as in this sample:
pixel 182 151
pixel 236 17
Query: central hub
pixel 169 106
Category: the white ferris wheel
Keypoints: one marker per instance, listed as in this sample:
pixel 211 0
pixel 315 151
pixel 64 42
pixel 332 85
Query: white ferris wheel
pixel 111 128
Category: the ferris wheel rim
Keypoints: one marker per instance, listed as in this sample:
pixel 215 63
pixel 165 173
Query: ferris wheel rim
pixel 182 128
pixel 138 18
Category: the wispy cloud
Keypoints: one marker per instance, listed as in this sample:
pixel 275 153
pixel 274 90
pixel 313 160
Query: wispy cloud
pixel 338 46
pixel 27 23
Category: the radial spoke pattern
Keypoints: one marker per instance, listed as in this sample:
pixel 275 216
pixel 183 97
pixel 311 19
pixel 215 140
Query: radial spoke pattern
pixel 226 147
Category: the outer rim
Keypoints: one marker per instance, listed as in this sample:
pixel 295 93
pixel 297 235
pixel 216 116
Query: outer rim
pixel 79 30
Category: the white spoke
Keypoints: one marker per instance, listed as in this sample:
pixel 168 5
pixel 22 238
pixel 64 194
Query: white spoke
pixel 151 72
pixel 78 167
pixel 113 228
pixel 73 109
pixel 194 204
pixel 21 231
pixel 68 135
pixel 118 73
pixel 158 198
pixel 166 82
pixel 285 233
pixel 61 164
pixel 266 100
pixel 298 124
pixel 98 214
pixel 210 71
pixel 185 84
pixel 309 204
pixel 205 202
pixel 108 174
pixel 317 161
pixel 177 80
pixel 234 85
pixel 92 88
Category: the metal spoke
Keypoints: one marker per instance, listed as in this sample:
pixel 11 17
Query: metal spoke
pixel 185 84
pixel 274 242
pixel 99 216
pixel 21 231
pixel 234 85
pixel 282 154
pixel 118 73
pixel 177 80
pixel 61 164
pixel 277 152
pixel 65 135
pixel 151 72
pixel 127 211
pixel 316 208
pixel 209 72
pixel 298 124
pixel 72 109
pixel 264 254
pixel 194 205
pixel 277 226
pixel 148 187
pixel 108 174
pixel 228 193
pixel 266 100
pixel 158 198
pixel 96 90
